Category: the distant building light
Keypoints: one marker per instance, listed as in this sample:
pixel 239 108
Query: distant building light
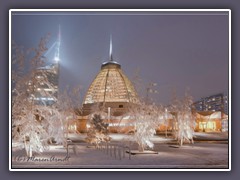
pixel 48 89
pixel 72 127
pixel 44 99
pixel 56 59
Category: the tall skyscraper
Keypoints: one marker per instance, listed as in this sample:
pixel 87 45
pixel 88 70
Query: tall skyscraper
pixel 47 79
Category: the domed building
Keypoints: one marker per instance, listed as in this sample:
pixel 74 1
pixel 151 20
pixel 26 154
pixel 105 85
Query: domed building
pixel 111 88
pixel 112 93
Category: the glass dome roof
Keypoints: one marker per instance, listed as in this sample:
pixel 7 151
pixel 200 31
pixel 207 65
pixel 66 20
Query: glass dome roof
pixel 111 85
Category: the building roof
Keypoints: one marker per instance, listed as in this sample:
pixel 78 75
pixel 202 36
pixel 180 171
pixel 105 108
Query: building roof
pixel 111 85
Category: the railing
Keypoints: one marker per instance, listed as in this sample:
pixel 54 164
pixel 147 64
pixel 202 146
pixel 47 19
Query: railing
pixel 114 149
pixel 70 143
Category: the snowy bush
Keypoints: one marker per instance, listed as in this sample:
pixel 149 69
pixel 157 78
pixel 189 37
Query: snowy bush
pixel 98 130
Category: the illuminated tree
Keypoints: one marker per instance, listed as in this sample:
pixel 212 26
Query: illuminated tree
pixel 34 122
pixel 146 115
pixel 184 119
pixel 147 119
pixel 26 120
pixel 98 130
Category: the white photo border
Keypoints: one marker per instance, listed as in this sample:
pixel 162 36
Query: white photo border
pixel 118 10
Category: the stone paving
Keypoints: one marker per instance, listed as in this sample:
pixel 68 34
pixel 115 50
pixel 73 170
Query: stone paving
pixel 212 153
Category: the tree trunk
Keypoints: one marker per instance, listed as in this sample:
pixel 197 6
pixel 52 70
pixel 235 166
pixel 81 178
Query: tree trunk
pixel 141 148
pixel 30 150
pixel 25 145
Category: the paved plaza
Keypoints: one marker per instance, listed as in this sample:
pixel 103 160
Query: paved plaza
pixel 211 151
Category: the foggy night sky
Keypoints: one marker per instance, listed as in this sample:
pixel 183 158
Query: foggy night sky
pixel 174 50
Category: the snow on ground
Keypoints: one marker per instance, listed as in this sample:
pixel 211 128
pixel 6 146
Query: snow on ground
pixel 198 136
pixel 207 154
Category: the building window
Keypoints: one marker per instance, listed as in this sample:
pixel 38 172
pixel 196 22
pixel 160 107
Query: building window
pixel 120 106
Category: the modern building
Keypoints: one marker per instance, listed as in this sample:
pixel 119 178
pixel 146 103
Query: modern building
pixel 212 113
pixel 211 103
pixel 225 102
pixel 44 87
pixel 112 93
pixel 46 91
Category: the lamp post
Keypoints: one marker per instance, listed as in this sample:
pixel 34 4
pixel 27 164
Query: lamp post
pixel 166 120
pixel 109 115
pixel 68 117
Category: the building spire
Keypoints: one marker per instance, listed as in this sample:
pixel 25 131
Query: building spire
pixel 110 49
pixel 58 43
